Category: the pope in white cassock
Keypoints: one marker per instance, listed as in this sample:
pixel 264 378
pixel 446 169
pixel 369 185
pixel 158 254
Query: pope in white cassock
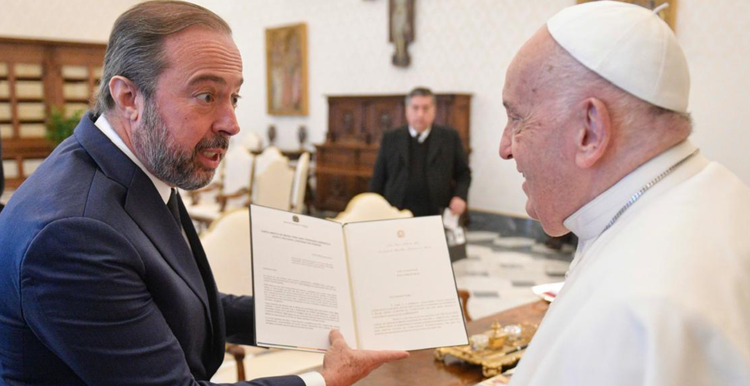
pixel 659 290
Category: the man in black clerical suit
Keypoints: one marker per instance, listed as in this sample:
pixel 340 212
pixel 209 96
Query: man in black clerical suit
pixel 98 285
pixel 422 167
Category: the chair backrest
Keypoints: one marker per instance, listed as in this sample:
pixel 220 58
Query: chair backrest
pixel 227 246
pixel 238 172
pixel 273 186
pixel 370 206
pixel 265 158
pixel 300 182
pixel 252 141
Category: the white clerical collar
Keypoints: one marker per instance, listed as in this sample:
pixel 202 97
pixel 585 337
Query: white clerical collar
pixel 161 186
pixel 422 137
pixel 589 221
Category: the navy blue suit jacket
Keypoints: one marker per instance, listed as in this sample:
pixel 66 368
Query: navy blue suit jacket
pixel 99 287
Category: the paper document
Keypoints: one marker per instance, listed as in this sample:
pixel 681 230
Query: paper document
pixel 384 284
pixel 450 220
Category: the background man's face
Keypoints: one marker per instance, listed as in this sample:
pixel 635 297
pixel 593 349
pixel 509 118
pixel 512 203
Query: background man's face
pixel 186 126
pixel 420 112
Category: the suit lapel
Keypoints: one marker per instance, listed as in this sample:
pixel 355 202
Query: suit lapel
pixel 143 204
pixel 146 208
pixel 148 211
pixel 403 146
pixel 217 314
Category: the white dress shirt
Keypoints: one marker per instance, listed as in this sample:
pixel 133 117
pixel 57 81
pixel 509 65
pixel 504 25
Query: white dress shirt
pixel 422 136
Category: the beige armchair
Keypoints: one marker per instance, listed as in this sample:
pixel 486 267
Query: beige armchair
pixel 299 187
pixel 370 206
pixel 227 246
pixel 234 189
pixel 273 185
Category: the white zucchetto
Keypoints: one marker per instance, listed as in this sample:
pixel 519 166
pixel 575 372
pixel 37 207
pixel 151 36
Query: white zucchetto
pixel 629 46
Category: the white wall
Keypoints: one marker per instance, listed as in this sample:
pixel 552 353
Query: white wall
pixel 461 46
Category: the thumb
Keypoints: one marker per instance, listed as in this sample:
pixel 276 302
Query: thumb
pixel 387 355
pixel 335 336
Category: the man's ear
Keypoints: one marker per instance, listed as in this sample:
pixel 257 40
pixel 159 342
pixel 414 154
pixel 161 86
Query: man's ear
pixel 126 96
pixel 594 135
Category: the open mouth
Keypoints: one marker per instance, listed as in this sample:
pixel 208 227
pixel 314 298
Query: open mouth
pixel 212 155
pixel 210 158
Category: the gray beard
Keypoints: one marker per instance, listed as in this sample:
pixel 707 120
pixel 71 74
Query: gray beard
pixel 155 146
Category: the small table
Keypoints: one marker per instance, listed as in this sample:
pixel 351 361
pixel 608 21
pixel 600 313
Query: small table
pixel 421 368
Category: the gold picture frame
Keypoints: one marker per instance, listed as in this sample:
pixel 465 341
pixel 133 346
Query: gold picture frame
pixel 669 14
pixel 286 70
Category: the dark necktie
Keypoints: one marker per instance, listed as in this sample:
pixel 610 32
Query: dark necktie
pixel 174 208
pixel 183 219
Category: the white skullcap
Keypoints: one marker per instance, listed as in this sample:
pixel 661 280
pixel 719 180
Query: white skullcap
pixel 629 46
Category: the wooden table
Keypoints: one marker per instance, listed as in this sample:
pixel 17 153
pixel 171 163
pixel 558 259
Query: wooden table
pixel 421 368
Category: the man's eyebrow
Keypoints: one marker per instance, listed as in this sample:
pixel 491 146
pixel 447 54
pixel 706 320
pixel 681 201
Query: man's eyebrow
pixel 211 78
pixel 508 106
pixel 208 78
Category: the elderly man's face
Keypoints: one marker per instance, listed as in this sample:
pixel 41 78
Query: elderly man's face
pixel 186 126
pixel 420 112
pixel 537 136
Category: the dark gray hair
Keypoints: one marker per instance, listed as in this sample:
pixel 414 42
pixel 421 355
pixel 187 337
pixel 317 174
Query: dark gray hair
pixel 135 49
pixel 421 91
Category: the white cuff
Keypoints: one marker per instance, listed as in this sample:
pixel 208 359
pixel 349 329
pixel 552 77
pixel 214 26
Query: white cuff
pixel 313 378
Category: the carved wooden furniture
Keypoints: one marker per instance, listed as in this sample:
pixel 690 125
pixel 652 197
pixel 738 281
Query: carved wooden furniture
pixel 356 125
pixel 34 76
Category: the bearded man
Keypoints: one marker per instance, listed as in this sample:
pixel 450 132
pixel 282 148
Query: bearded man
pixel 104 280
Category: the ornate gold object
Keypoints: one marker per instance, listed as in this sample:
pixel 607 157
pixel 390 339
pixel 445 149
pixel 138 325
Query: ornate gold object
pixel 497 336
pixel 510 341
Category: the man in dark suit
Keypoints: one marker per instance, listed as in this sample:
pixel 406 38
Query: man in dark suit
pixel 422 167
pixel 104 280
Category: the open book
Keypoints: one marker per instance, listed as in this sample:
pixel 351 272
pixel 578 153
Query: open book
pixel 386 285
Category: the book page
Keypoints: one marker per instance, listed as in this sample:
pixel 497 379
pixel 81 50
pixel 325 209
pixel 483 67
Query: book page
pixel 300 280
pixel 403 285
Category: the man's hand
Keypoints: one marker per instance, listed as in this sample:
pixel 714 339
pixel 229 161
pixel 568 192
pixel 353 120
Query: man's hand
pixel 343 366
pixel 458 206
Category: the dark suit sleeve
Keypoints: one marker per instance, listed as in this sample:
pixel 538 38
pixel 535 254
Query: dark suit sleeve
pixel 461 169
pixel 239 313
pixel 88 303
pixel 380 172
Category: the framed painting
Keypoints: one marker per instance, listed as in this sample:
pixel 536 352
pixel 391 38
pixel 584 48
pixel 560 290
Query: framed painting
pixel 669 14
pixel 286 70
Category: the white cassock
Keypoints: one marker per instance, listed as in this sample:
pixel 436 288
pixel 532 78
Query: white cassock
pixel 662 297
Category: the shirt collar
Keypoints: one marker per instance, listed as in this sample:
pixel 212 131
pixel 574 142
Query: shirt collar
pixel 590 221
pixel 422 137
pixel 103 124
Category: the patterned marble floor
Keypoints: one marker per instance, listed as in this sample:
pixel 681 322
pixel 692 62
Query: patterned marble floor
pixel 500 271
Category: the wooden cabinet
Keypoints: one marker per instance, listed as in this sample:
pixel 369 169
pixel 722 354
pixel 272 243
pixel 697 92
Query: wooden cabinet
pixel 35 76
pixel 356 125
